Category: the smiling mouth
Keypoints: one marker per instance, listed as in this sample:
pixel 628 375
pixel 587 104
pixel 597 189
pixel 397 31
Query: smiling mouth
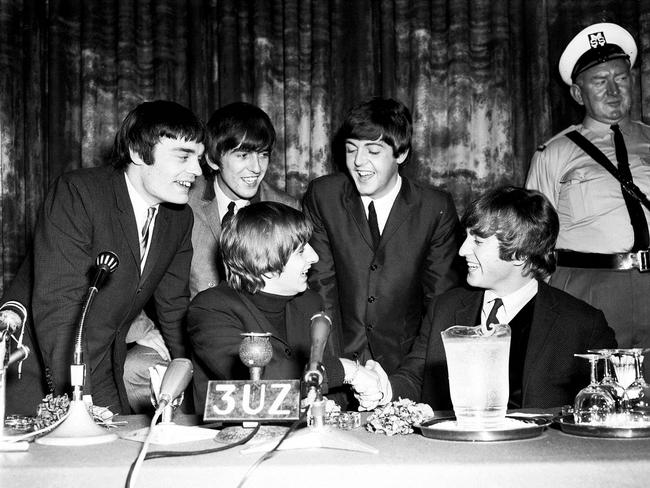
pixel 250 180
pixel 185 183
pixel 472 266
pixel 365 175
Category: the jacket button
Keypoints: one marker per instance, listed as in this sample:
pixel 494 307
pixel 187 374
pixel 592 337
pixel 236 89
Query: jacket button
pixel 373 267
pixel 287 351
pixel 371 299
pixel 139 290
pixel 212 284
pixel 369 327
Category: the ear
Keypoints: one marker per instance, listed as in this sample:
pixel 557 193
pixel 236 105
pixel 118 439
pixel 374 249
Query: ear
pixel 576 94
pixel 402 157
pixel 212 165
pixel 135 157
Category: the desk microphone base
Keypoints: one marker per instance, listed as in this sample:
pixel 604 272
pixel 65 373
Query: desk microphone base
pixel 309 438
pixel 170 433
pixel 78 429
pixel 8 442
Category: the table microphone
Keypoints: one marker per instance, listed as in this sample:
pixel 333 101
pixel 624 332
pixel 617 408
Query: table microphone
pixel 320 329
pixel 176 378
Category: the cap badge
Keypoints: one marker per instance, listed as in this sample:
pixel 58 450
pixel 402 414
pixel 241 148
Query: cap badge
pixel 597 39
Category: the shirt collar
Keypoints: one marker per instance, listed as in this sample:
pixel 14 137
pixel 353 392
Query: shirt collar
pixel 223 201
pixel 386 202
pixel 513 302
pixel 601 127
pixel 140 206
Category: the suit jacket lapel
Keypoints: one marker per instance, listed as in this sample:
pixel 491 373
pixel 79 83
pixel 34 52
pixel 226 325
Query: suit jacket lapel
pixel 354 207
pixel 544 319
pixel 398 213
pixel 126 215
pixel 469 309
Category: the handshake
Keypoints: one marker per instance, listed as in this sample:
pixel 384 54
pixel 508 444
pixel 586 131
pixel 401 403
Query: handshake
pixel 370 383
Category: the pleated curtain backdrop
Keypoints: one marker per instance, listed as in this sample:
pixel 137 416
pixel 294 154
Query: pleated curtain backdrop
pixel 480 78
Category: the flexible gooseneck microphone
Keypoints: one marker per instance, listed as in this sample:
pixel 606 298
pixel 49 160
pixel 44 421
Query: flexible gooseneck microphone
pixel 106 263
pixel 320 330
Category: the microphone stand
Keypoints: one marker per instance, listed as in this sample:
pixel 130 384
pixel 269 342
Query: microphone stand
pixel 317 434
pixel 79 428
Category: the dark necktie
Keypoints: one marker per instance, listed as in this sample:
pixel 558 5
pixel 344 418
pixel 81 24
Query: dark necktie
pixel 151 212
pixel 374 226
pixel 637 217
pixel 229 214
pixel 492 318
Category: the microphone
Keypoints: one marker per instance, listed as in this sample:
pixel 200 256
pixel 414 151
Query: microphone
pixel 320 330
pixel 12 322
pixel 176 378
pixel 19 354
pixel 106 263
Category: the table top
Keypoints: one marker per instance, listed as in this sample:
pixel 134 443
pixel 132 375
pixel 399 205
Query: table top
pixel 554 458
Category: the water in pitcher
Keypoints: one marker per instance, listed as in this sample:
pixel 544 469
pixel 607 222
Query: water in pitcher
pixel 478 375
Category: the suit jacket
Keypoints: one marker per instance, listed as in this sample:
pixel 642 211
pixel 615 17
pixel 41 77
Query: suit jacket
pixel 86 212
pixel 381 296
pixel 204 272
pixel 216 319
pixel 562 326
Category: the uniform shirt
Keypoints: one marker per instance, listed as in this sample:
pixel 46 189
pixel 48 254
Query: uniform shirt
pixel 588 199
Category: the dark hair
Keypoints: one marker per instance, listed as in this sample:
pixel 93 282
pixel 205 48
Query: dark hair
pixel 147 123
pixel 259 240
pixel 239 125
pixel 524 222
pixel 380 119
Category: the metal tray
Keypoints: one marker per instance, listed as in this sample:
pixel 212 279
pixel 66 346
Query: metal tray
pixel 446 429
pixel 568 425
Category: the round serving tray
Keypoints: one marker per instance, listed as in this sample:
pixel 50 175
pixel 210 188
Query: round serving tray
pixel 446 429
pixel 568 425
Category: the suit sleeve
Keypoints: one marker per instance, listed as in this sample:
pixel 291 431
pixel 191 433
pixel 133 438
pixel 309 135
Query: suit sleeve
pixel 215 336
pixel 441 271
pixel 172 294
pixel 322 277
pixel 408 380
pixel 62 257
pixel 602 335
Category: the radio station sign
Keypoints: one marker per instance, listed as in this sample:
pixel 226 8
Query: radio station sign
pixel 237 401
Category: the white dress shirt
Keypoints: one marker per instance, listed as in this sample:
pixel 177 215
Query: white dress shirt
pixel 512 303
pixel 383 205
pixel 223 201
pixel 141 209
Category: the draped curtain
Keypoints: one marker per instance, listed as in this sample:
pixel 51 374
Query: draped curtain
pixel 479 76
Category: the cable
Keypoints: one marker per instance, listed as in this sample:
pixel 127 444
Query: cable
pixel 269 454
pixel 134 470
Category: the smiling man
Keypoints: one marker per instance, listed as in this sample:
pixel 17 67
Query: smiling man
pixel 136 209
pixel 386 244
pixel 240 139
pixel 603 241
pixel 511 234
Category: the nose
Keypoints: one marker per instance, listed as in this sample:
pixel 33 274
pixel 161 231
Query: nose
pixel 195 167
pixel 312 257
pixel 465 249
pixel 612 87
pixel 255 165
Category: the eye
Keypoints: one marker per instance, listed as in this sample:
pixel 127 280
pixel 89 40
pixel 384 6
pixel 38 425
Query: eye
pixel 350 149
pixel 264 155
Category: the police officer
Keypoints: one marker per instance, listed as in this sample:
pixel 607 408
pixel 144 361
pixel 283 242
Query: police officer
pixel 597 174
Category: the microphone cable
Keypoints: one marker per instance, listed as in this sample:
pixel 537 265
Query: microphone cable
pixel 144 455
pixel 269 454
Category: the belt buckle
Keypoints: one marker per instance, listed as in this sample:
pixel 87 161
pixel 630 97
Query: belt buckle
pixel 643 260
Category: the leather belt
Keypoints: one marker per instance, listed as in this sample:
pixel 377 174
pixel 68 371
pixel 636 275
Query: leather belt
pixel 626 260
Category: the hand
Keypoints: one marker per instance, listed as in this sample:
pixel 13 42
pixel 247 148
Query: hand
pixel 10 320
pixel 369 400
pixel 155 341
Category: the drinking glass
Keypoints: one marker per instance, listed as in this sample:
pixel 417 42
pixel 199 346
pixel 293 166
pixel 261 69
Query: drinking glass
pixel 636 402
pixel 624 368
pixel 608 382
pixel 593 404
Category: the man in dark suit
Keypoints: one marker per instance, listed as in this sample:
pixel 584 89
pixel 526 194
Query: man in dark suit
pixel 509 254
pixel 386 244
pixel 239 141
pixel 135 209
